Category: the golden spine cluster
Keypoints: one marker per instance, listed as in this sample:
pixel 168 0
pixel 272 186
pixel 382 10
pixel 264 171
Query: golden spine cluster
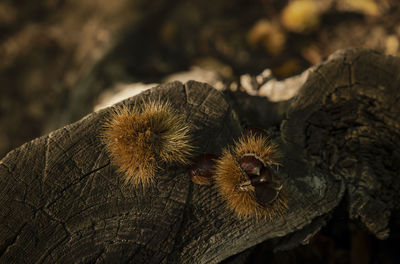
pixel 229 174
pixel 143 138
pixel 140 139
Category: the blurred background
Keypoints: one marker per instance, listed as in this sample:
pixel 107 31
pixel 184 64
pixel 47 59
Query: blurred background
pixel 57 56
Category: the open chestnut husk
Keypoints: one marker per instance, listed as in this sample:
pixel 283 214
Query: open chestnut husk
pixel 259 179
pixel 245 179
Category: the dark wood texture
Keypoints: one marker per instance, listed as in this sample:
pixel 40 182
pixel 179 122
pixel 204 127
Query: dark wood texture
pixel 62 202
pixel 346 121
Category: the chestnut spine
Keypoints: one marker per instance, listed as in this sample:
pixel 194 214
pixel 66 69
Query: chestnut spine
pixel 143 137
pixel 244 179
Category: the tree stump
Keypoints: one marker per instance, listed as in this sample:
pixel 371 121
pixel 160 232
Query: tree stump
pixel 62 201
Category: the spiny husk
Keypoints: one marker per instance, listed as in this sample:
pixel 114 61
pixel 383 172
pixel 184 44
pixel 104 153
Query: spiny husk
pixel 229 174
pixel 141 138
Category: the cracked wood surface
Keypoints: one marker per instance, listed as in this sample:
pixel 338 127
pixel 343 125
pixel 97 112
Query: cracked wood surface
pixel 62 201
pixel 347 119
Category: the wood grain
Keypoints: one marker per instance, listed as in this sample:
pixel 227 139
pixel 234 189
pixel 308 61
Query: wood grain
pixel 63 202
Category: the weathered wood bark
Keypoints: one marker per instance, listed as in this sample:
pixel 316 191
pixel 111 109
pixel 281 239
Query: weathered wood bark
pixel 346 119
pixel 61 200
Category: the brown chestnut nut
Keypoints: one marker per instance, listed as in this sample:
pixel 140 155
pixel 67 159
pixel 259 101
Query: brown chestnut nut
pixel 267 193
pixel 264 176
pixel 250 165
pixel 203 169
pixel 266 190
